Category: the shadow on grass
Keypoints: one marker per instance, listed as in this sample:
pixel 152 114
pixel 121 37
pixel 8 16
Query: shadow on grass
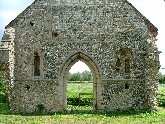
pixel 4 111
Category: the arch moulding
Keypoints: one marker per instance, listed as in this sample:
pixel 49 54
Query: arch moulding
pixel 93 66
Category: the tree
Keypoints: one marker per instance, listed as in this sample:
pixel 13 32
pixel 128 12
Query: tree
pixel 84 76
pixel 161 78
pixel 74 77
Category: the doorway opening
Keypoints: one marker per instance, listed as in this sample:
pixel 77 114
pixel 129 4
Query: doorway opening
pixel 80 87
pixel 87 89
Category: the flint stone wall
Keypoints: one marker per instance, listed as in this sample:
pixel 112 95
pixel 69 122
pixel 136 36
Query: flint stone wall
pixel 124 94
pixel 98 29
pixel 4 53
pixel 33 93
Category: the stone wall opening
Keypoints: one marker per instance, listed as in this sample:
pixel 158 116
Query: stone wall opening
pixel 36 64
pixel 123 63
pixel 80 88
pixel 72 59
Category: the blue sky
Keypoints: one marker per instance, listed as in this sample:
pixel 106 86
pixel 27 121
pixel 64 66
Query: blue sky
pixel 154 10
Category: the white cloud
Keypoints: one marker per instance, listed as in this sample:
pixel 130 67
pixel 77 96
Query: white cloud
pixel 79 67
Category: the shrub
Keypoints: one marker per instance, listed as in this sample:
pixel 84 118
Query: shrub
pixel 2 93
pixel 40 108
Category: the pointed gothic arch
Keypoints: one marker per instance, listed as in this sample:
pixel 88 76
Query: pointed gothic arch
pixel 89 61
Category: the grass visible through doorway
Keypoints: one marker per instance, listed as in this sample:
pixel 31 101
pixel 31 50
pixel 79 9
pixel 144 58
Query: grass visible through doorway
pixel 80 95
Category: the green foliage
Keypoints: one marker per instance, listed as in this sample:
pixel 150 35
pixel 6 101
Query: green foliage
pixel 3 108
pixel 75 96
pixel 84 107
pixel 2 88
pixel 84 76
pixel 2 93
pixel 74 77
pixel 79 101
pixel 161 95
pixel 161 78
pixel 40 108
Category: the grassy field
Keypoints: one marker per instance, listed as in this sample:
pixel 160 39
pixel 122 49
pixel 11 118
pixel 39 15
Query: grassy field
pixel 161 96
pixel 73 89
pixel 161 89
pixel 84 118
pixel 129 117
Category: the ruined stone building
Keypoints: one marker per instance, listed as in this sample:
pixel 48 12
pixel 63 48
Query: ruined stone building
pixel 110 36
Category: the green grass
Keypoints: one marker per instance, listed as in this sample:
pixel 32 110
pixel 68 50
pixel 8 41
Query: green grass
pixel 73 89
pixel 83 118
pixel 161 96
pixel 128 117
pixel 85 107
pixel 161 89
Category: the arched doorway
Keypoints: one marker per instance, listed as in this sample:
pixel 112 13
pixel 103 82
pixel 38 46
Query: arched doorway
pixel 68 63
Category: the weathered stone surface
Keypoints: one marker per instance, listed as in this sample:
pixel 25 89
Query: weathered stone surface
pixel 124 94
pixel 4 55
pixel 33 93
pixel 111 37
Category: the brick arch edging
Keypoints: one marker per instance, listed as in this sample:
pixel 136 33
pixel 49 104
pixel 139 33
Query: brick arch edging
pixel 70 60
